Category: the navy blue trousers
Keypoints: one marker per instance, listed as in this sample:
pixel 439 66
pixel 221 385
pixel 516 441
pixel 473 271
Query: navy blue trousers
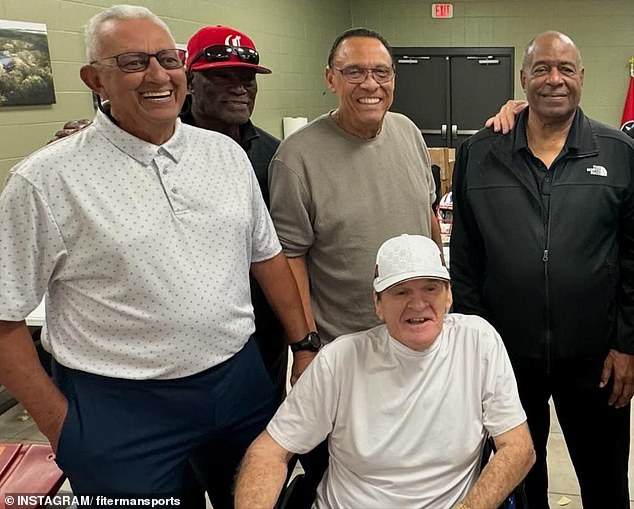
pixel 130 437
pixel 597 435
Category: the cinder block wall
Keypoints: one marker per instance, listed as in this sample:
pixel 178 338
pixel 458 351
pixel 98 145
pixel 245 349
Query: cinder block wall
pixel 602 29
pixel 293 37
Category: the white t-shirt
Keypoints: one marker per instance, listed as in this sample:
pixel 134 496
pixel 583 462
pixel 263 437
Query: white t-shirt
pixel 406 428
pixel 144 250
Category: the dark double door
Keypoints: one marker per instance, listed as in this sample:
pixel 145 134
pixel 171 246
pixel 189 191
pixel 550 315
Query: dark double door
pixel 450 92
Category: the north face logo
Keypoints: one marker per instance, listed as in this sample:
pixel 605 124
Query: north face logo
pixel 597 170
pixel 233 40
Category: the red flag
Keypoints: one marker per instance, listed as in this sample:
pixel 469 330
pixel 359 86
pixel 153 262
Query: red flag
pixel 628 109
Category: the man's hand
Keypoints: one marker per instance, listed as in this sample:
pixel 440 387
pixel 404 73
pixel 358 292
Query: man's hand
pixel 301 360
pixel 22 374
pixel 619 366
pixel 504 120
pixel 71 127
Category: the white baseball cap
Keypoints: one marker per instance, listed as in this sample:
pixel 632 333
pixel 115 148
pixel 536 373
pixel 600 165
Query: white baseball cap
pixel 407 257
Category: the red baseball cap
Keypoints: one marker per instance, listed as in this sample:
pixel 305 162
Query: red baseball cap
pixel 220 35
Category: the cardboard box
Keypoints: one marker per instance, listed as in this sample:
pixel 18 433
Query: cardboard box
pixel 444 158
pixel 448 176
pixel 438 156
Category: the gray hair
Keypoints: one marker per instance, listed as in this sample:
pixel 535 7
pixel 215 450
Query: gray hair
pixel 116 12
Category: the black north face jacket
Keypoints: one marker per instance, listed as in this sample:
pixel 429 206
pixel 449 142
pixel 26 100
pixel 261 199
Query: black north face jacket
pixel 556 280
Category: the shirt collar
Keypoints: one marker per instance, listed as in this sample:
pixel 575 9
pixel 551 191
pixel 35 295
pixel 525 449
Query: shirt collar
pixel 248 133
pixel 578 138
pixel 581 136
pixel 142 151
pixel 404 351
pixel 519 137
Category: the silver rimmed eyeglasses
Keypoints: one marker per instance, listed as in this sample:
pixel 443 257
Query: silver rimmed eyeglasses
pixel 354 74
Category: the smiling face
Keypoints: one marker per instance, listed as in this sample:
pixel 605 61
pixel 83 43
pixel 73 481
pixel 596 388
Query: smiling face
pixel 552 78
pixel 145 103
pixel 362 106
pixel 414 311
pixel 224 97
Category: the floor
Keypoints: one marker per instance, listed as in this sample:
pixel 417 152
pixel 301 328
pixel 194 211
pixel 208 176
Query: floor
pixel 17 426
pixel 564 490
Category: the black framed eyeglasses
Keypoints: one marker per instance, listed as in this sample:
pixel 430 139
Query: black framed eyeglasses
pixel 137 61
pixel 222 52
pixel 354 74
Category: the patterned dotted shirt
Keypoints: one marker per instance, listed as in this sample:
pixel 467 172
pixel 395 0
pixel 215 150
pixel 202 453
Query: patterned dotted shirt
pixel 144 250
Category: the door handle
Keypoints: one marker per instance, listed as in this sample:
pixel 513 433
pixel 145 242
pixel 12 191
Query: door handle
pixel 454 131
pixel 443 130
pixel 488 60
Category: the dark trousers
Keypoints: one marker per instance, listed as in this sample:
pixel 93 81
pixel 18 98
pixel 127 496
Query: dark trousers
pixel 597 435
pixel 129 437
pixel 274 351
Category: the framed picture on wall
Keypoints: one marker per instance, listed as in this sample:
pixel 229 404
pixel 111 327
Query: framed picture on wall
pixel 26 77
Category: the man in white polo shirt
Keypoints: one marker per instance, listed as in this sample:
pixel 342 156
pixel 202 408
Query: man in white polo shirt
pixel 406 406
pixel 142 231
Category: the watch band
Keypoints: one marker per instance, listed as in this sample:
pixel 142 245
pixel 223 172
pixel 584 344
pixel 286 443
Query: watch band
pixel 311 342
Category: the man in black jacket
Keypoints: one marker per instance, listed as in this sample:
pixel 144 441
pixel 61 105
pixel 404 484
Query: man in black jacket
pixel 543 247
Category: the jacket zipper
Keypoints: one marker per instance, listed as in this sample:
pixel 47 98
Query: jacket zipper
pixel 549 336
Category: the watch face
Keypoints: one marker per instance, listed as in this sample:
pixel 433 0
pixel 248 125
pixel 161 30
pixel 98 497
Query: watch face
pixel 311 342
pixel 314 339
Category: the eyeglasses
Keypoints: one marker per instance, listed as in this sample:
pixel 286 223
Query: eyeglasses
pixel 354 74
pixel 221 52
pixel 137 61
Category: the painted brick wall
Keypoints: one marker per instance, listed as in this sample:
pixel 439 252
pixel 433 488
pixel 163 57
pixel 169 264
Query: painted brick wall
pixel 293 37
pixel 602 29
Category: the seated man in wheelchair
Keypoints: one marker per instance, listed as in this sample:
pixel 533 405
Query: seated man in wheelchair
pixel 407 406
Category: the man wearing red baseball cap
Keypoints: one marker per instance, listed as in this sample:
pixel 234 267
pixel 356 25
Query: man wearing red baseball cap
pixel 222 64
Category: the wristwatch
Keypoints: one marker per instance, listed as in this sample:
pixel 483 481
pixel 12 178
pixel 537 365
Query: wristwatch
pixel 311 342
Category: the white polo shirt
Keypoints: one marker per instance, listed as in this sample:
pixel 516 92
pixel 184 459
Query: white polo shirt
pixel 144 250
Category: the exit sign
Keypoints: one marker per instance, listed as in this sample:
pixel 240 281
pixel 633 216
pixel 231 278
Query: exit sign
pixel 442 11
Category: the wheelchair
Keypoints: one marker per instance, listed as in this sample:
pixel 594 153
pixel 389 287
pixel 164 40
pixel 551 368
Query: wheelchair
pixel 295 497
